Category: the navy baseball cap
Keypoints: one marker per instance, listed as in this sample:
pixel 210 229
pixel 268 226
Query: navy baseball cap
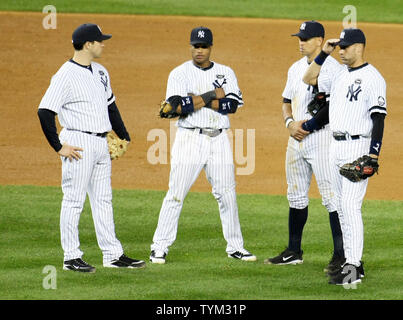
pixel 351 36
pixel 310 29
pixel 201 35
pixel 89 32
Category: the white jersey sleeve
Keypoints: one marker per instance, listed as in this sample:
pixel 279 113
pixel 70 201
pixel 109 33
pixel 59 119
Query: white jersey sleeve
pixel 377 95
pixel 330 68
pixel 176 85
pixel 289 91
pixel 57 93
pixel 109 93
pixel 231 88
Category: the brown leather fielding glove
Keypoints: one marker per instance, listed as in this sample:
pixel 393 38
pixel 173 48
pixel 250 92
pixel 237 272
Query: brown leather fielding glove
pixel 117 146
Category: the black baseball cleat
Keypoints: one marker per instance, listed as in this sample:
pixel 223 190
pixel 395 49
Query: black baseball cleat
pixel 244 256
pixel 157 257
pixel 348 275
pixel 286 257
pixel 360 270
pixel 78 265
pixel 125 262
pixel 335 264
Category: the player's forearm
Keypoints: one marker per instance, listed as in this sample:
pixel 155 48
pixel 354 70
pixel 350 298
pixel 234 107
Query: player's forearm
pixel 198 102
pixel 193 103
pixel 48 124
pixel 320 119
pixel 311 75
pixel 224 105
pixel 208 97
pixel 377 134
pixel 117 123
pixel 287 113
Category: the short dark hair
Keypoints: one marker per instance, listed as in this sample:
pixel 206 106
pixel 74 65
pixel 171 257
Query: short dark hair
pixel 78 46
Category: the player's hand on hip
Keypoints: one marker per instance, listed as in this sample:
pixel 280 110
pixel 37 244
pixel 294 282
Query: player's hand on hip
pixel 70 152
pixel 330 45
pixel 296 130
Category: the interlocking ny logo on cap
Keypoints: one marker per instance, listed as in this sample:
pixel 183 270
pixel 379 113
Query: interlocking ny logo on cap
pixel 200 34
pixel 302 26
pixel 342 35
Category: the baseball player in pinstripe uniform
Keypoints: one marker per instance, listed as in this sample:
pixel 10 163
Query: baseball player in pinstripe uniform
pixel 356 116
pixel 203 92
pixel 309 155
pixel 81 95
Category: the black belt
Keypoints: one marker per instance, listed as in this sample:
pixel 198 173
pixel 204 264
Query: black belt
pixel 210 133
pixel 340 137
pixel 103 134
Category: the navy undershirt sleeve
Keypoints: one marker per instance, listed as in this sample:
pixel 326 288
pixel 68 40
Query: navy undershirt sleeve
pixel 378 126
pixel 48 124
pixel 117 122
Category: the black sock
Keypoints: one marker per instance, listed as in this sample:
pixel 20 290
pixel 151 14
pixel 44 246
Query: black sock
pixel 296 223
pixel 336 234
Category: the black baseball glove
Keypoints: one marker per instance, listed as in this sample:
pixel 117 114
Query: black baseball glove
pixel 318 102
pixel 169 107
pixel 360 169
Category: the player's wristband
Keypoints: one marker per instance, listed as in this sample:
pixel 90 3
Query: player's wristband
pixel 227 105
pixel 288 121
pixel 187 105
pixel 310 125
pixel 375 147
pixel 320 59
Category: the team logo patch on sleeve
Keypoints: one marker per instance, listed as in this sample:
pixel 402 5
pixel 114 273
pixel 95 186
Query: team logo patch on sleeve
pixel 381 101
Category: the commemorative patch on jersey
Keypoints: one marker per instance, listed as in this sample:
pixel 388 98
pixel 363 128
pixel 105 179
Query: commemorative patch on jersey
pixel 381 101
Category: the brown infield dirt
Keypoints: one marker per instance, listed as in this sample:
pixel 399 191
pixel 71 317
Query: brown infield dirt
pixel 139 57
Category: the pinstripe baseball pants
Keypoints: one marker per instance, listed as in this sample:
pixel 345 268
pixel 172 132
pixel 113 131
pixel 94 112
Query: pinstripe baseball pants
pixel 192 152
pixel 92 175
pixel 311 155
pixel 349 196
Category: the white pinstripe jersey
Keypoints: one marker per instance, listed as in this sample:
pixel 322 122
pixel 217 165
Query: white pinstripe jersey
pixel 356 93
pixel 80 97
pixel 300 93
pixel 188 79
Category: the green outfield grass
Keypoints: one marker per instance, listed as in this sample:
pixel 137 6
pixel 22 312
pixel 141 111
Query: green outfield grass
pixel 367 10
pixel 197 267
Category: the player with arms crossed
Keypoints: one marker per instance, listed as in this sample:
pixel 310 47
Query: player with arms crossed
pixel 202 93
pixel 356 116
pixel 309 155
pixel 81 95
